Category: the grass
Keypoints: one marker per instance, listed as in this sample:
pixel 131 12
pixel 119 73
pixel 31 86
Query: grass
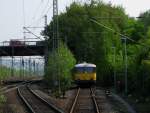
pixel 2 102
pixel 5 73
pixel 2 99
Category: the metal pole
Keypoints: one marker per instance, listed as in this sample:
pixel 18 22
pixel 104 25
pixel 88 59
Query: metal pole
pixel 0 68
pixel 12 66
pixel 37 70
pixel 25 67
pixel 114 60
pixel 45 20
pixel 34 67
pixel 22 67
pixel 12 63
pixel 126 67
pixel 46 49
pixel 56 37
pixel 29 66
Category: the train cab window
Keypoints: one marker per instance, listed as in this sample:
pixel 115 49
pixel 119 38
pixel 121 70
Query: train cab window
pixel 85 69
pixel 89 69
pixel 79 69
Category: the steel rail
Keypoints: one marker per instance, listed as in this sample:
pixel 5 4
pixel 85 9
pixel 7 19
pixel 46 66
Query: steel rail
pixel 75 101
pixel 92 97
pixel 94 100
pixel 9 88
pixel 44 101
pixel 28 105
pixel 30 109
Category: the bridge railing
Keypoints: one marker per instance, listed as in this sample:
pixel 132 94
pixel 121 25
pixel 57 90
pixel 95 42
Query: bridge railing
pixel 21 43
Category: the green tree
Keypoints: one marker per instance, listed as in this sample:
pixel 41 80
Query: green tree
pixel 93 43
pixel 88 41
pixel 148 32
pixel 134 29
pixel 144 18
pixel 60 63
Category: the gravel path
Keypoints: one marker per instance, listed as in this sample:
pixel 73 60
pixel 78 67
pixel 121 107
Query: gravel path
pixel 103 103
pixel 13 104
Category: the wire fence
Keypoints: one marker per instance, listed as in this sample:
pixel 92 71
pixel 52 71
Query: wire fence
pixel 21 67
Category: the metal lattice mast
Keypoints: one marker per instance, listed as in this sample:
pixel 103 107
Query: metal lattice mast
pixel 55 36
pixel 56 39
pixel 55 24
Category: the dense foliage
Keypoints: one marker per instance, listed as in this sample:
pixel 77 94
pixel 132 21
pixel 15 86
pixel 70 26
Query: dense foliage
pixel 101 43
pixel 88 41
pixel 58 72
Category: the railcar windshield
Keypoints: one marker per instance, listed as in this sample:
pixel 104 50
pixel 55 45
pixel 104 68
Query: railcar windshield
pixel 85 69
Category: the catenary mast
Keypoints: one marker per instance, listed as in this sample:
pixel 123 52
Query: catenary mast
pixel 55 24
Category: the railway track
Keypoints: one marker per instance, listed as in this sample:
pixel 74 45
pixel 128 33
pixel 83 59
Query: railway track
pixel 35 103
pixel 11 87
pixel 84 102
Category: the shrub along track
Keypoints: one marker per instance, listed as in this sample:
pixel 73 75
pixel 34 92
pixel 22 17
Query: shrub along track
pixel 85 102
pixel 12 103
pixel 35 103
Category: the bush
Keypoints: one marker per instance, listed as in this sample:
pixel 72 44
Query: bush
pixel 2 99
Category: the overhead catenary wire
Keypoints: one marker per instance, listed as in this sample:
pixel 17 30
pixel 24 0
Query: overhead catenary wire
pixel 47 4
pixel 33 33
pixel 24 18
pixel 42 16
pixel 115 32
pixel 24 15
pixel 112 30
pixel 45 12
pixel 48 9
pixel 37 9
pixel 26 28
pixel 38 20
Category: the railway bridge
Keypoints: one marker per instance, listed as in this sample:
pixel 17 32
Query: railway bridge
pixel 23 48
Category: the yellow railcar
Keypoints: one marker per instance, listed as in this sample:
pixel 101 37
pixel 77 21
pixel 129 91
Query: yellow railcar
pixel 85 73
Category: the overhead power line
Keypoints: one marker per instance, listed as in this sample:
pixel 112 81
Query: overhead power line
pixel 24 18
pixel 32 33
pixel 37 9
pixel 23 9
pixel 41 16
pixel 112 30
pixel 48 9
pixel 47 4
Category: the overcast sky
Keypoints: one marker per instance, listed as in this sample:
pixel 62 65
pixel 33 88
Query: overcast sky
pixel 12 16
